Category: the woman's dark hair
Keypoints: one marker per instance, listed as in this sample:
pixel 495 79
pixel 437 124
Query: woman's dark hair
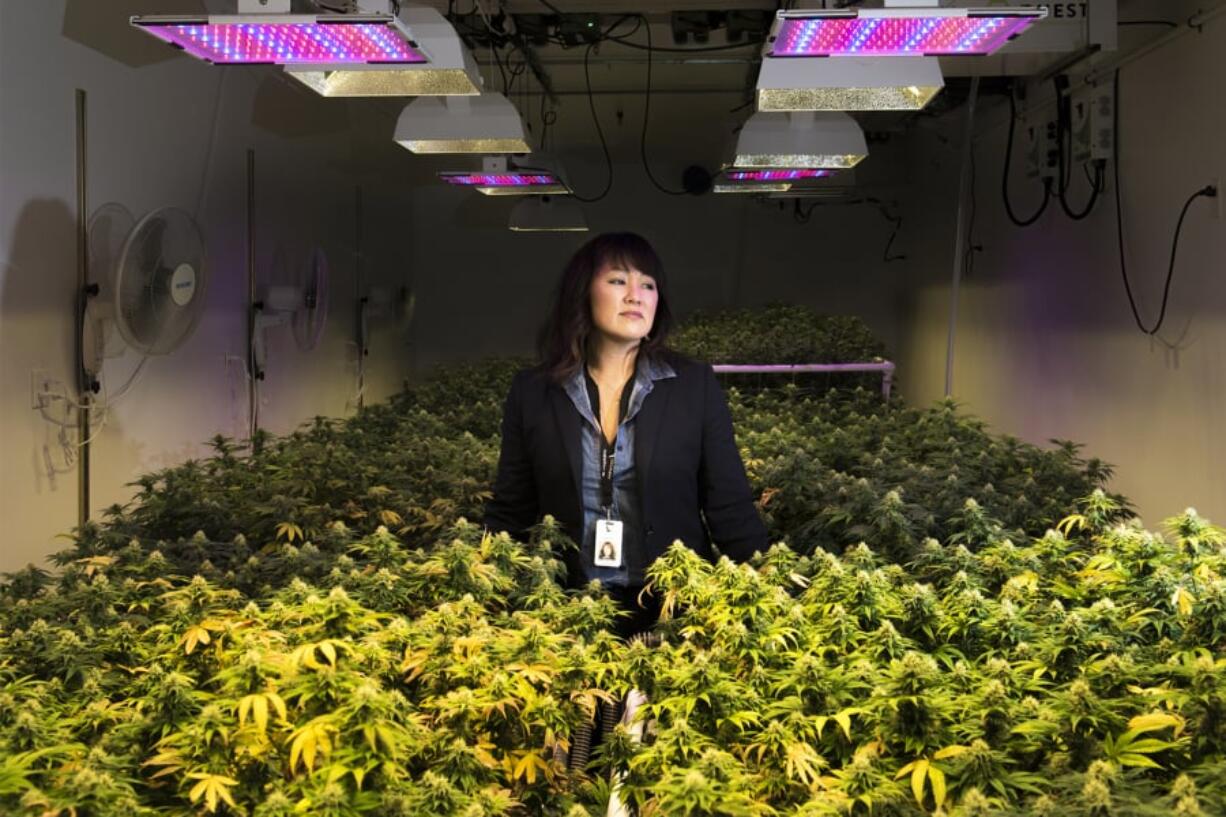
pixel 564 339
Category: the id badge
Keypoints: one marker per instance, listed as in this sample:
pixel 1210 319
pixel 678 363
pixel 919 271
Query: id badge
pixel 608 544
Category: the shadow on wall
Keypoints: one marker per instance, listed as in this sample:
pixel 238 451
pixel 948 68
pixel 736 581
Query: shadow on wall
pixel 38 303
pixel 38 308
pixel 104 27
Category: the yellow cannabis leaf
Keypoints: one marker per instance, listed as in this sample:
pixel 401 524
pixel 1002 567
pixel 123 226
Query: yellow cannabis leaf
pixel 311 739
pixel 213 788
pixel 527 765
pixel 1072 522
pixel 1183 601
pixel 256 707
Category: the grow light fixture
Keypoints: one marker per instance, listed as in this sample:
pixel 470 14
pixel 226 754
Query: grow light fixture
pixel 450 71
pixel 547 214
pixel 411 53
pixel 487 123
pixel 287 39
pixel 803 140
pixel 508 184
pixel 849 84
pixel 752 187
pixel 894 32
pixel 777 175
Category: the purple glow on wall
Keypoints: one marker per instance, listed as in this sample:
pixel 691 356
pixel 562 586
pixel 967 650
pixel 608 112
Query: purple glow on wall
pixel 499 179
pixel 881 36
pixel 298 43
pixel 777 175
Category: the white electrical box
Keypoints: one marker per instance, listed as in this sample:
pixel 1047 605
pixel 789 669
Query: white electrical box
pixel 1092 119
pixel 1040 148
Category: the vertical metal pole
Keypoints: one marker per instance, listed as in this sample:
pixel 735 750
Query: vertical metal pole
pixel 84 391
pixel 253 391
pixel 960 240
pixel 361 299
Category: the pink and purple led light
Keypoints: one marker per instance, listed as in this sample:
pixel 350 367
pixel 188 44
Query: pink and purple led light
pixel 896 36
pixel 500 179
pixel 298 43
pixel 777 175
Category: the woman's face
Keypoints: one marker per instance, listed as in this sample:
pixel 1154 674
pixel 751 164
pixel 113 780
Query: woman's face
pixel 623 303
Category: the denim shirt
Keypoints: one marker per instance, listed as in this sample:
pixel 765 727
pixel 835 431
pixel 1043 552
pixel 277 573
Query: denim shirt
pixel 625 481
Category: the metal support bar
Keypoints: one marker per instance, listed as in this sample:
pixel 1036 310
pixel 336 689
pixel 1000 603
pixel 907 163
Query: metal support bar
pixel 253 389
pixel 84 391
pixel 960 238
pixel 885 367
pixel 1195 22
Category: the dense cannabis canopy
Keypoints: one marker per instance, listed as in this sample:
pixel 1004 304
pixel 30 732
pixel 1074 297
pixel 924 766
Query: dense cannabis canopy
pixel 960 623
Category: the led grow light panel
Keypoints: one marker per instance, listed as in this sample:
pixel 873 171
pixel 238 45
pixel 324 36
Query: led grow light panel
pixel 297 39
pixel 899 32
pixel 777 175
pixel 508 184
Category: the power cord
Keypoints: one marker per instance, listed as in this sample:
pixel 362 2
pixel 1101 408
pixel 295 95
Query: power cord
pixel 1064 136
pixel 647 118
pixel 1208 191
pixel 604 145
pixel 1004 185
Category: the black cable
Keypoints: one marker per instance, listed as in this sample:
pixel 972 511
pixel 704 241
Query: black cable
pixel 647 119
pixel 604 146
pixel 1020 222
pixel 552 7
pixel 1063 128
pixel 1097 189
pixel 1064 150
pixel 1167 23
pixel 1209 191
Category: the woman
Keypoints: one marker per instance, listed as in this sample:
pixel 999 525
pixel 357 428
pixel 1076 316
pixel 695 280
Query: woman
pixel 628 445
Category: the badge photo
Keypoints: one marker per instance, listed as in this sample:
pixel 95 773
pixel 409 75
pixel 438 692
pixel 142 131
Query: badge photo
pixel 608 544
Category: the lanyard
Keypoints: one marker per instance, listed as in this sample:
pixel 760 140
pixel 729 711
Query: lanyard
pixel 608 451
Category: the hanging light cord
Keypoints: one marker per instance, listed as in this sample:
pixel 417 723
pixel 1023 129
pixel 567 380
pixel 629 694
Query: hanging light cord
pixel 647 120
pixel 604 145
pixel 1004 184
pixel 1208 191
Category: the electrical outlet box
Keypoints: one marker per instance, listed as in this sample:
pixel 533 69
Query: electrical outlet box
pixel 1039 137
pixel 1092 120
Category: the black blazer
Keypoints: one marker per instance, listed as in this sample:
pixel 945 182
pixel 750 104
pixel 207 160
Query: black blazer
pixel 691 480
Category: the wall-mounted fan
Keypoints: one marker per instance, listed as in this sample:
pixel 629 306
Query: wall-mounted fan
pixel 384 303
pixel 303 305
pixel 309 320
pixel 149 284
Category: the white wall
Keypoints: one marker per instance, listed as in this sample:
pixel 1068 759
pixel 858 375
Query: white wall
pixel 174 133
pixel 1046 343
